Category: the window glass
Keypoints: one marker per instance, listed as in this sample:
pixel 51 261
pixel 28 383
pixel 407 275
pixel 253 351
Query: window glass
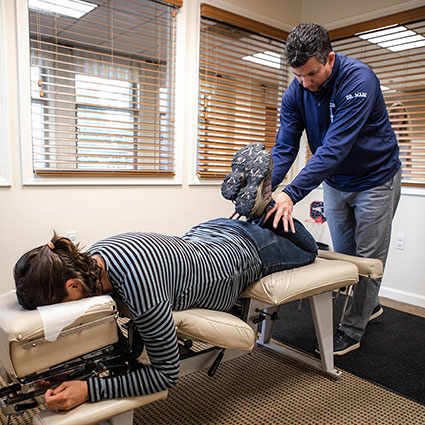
pixel 102 87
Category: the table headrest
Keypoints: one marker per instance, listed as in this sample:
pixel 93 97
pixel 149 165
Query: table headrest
pixel 57 317
pixel 23 347
pixel 20 324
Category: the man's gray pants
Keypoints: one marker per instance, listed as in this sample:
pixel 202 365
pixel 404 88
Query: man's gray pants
pixel 360 224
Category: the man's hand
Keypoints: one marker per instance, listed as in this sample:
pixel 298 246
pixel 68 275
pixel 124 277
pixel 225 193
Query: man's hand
pixel 283 208
pixel 67 395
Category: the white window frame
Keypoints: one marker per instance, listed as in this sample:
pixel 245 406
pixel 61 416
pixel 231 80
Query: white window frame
pixel 31 179
pixel 4 117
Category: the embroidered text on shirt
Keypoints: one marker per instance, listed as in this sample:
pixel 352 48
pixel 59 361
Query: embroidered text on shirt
pixel 358 94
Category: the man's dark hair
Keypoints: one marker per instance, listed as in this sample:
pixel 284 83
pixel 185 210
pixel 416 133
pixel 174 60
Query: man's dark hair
pixel 306 41
pixel 41 273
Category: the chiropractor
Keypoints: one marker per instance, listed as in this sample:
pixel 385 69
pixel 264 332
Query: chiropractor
pixel 338 101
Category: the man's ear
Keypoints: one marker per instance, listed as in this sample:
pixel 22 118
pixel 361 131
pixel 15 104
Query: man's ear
pixel 74 290
pixel 331 58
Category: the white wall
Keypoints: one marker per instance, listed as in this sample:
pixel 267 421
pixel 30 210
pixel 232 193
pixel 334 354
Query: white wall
pixel 29 214
pixel 404 278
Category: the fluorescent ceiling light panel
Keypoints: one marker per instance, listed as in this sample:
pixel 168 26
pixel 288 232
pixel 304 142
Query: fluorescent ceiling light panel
pixel 401 41
pixel 393 36
pixel 407 46
pixel 394 39
pixel 266 58
pixel 380 33
pixel 72 8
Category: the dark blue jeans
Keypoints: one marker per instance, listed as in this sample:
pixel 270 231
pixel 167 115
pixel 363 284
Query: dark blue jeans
pixel 278 250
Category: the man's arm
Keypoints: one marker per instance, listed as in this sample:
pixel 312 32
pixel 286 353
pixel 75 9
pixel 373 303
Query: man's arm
pixel 288 136
pixel 284 153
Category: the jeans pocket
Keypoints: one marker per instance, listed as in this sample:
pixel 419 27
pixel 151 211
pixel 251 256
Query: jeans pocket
pixel 264 242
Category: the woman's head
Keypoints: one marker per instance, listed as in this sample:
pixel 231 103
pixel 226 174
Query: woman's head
pixel 42 273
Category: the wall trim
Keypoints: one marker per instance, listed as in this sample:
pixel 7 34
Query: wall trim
pixel 402 296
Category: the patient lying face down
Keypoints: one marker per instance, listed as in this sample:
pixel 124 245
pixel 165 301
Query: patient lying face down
pixel 153 274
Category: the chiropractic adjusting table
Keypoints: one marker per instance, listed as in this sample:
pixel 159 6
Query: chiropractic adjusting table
pixel 92 343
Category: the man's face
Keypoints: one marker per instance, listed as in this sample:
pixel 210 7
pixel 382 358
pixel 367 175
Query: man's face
pixel 313 73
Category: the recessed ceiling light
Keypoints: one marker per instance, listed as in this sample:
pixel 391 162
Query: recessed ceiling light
pixel 267 58
pixel 407 46
pixel 393 36
pixel 379 32
pixel 73 8
pixel 401 41
pixel 395 39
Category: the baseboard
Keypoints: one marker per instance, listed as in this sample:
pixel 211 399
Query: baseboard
pixel 402 296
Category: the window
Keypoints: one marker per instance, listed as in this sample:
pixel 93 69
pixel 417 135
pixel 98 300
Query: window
pixel 102 87
pixel 241 82
pixel 396 53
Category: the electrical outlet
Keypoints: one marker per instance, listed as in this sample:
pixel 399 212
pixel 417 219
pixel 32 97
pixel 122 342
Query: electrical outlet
pixel 71 235
pixel 400 241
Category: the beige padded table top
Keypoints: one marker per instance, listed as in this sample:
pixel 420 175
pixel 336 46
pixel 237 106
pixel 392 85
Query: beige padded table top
pixel 288 285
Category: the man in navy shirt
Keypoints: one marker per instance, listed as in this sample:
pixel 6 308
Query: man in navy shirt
pixel 338 101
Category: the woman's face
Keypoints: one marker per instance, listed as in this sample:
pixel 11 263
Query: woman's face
pixel 74 290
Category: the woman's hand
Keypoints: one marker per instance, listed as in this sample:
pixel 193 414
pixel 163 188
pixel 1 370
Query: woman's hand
pixel 67 395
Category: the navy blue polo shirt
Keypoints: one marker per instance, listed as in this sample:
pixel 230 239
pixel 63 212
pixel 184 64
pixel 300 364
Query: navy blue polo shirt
pixel 354 147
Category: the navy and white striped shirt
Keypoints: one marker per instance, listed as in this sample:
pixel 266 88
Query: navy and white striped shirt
pixel 153 274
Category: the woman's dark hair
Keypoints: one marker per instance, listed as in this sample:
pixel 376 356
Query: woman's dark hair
pixel 40 274
pixel 305 41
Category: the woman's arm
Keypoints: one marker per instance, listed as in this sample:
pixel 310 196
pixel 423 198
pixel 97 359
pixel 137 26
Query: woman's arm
pixel 156 327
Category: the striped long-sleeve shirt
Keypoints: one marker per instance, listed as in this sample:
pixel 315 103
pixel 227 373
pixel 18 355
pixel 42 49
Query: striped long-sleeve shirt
pixel 153 274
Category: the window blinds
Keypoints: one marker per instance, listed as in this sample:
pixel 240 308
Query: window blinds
pixel 396 53
pixel 102 86
pixel 241 82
